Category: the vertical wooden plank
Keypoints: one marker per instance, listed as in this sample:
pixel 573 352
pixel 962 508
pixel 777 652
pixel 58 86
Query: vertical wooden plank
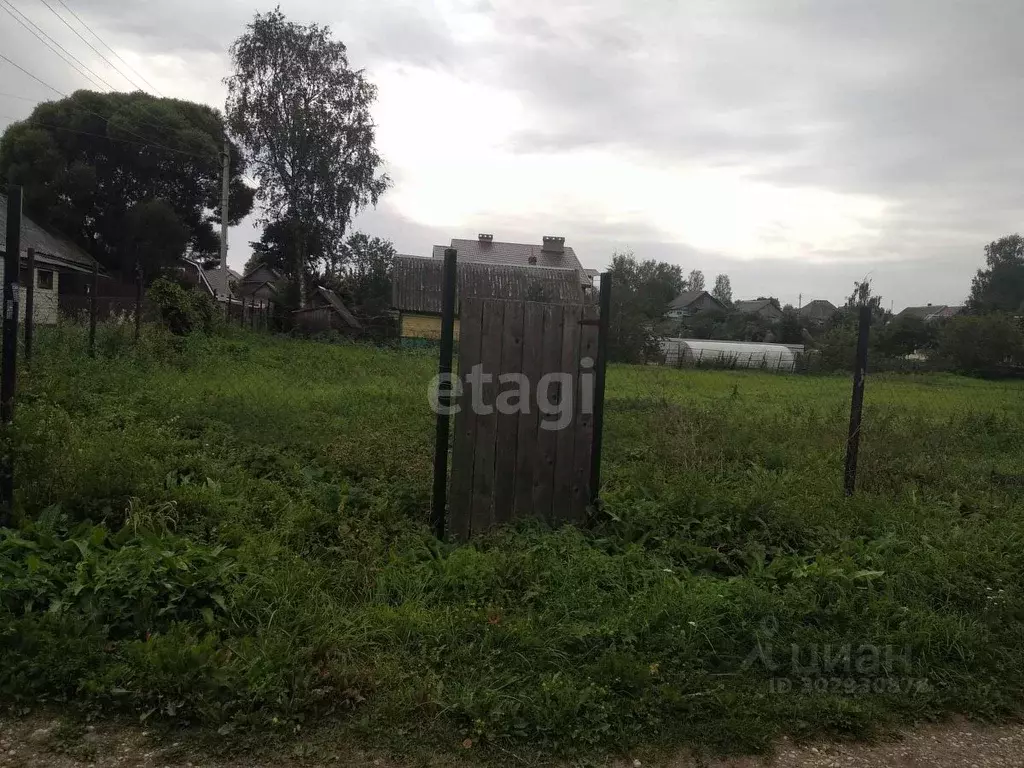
pixel 487 421
pixel 544 458
pixel 526 448
pixel 584 428
pixel 508 423
pixel 461 489
pixel 565 443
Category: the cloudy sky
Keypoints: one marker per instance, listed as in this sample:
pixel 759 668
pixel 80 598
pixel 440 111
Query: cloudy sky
pixel 796 146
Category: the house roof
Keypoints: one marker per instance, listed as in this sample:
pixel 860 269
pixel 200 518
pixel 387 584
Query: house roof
pixel 248 277
pixel 753 306
pixel 333 301
pixel 819 309
pixel 931 311
pixel 416 283
pixel 50 248
pixel 686 298
pixel 510 254
pixel 219 280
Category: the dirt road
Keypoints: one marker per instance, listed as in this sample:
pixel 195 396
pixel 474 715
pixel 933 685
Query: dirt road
pixel 55 743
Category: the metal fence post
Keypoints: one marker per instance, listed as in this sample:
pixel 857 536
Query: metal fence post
pixel 600 373
pixel 440 494
pixel 9 362
pixel 30 304
pixel 138 301
pixel 92 308
pixel 860 369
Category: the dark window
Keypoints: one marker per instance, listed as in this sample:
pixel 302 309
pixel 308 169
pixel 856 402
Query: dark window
pixel 44 279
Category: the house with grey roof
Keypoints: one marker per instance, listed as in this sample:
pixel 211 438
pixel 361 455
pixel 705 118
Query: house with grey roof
pixel 693 302
pixel 817 311
pixel 931 312
pixel 416 289
pixel 54 256
pixel 764 308
pixel 551 253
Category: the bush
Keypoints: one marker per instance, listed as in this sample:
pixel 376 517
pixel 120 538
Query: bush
pixel 982 343
pixel 182 311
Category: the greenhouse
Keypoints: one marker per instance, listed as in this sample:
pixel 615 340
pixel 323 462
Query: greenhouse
pixel 701 353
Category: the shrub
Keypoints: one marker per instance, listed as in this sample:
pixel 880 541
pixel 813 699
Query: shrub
pixel 182 311
pixel 982 343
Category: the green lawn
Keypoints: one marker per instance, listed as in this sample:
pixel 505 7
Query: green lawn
pixel 232 532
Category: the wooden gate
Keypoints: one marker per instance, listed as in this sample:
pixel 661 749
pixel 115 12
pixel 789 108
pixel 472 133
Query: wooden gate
pixel 509 464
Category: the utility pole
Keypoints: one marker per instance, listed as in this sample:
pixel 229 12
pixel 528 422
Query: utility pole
pixel 225 189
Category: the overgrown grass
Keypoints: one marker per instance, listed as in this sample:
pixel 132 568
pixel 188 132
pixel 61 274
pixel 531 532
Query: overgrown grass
pixel 231 532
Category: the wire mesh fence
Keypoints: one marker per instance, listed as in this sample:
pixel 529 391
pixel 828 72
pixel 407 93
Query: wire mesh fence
pixel 750 415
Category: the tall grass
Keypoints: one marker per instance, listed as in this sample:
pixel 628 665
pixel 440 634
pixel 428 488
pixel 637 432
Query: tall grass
pixel 232 531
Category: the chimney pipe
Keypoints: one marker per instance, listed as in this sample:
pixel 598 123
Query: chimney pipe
pixel 553 244
pixel 485 238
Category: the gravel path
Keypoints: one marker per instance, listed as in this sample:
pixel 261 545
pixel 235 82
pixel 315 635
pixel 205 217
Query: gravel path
pixel 39 742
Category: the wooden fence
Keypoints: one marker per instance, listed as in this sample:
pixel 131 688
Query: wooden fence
pixel 508 462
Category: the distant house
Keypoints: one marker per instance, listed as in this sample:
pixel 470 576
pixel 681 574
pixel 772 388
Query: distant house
pixel 931 312
pixel 691 303
pixel 817 311
pixel 326 312
pixel 552 253
pixel 416 289
pixel 763 308
pixel 261 286
pixel 54 256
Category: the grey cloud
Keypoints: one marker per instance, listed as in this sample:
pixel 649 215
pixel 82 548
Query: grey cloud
pixel 915 103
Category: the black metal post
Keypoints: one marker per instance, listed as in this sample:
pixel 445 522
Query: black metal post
pixel 440 495
pixel 30 304
pixel 600 372
pixel 860 369
pixel 92 308
pixel 138 301
pixel 9 363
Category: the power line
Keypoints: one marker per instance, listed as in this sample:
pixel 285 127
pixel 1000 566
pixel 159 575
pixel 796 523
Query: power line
pixel 109 48
pixel 93 47
pixel 61 52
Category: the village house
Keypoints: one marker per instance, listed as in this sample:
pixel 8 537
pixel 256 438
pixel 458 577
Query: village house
pixel 931 312
pixel 818 311
pixel 417 283
pixel 54 256
pixel 552 253
pixel 763 308
pixel 691 303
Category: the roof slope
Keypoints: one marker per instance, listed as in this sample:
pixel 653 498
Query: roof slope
pixel 686 298
pixel 931 311
pixel 416 283
pixel 819 309
pixel 753 306
pixel 60 250
pixel 220 280
pixel 511 254
pixel 338 306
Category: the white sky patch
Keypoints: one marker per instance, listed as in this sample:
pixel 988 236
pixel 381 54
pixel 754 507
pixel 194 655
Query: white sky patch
pixel 456 168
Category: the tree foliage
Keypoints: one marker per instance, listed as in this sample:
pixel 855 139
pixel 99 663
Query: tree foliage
pixel 304 115
pixel 723 290
pixel 1000 286
pixel 695 282
pixel 364 275
pixel 982 344
pixel 101 167
pixel 641 291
